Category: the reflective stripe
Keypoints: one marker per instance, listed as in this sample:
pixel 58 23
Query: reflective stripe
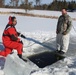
pixel 8 26
pixel 6 35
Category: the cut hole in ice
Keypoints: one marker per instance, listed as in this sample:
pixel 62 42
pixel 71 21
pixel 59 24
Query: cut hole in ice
pixel 45 59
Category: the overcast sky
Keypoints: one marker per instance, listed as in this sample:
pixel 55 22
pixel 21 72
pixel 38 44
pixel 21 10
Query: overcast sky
pixel 43 1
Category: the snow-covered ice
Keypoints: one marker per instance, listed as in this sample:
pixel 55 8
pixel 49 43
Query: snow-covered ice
pixel 16 66
pixel 38 12
pixel 43 30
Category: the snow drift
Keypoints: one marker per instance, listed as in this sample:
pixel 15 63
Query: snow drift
pixel 16 66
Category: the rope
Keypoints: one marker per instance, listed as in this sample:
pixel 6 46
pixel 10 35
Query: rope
pixel 74 28
pixel 29 45
pixel 75 32
pixel 43 42
pixel 48 39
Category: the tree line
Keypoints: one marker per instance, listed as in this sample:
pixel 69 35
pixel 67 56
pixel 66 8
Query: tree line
pixel 37 4
pixel 59 4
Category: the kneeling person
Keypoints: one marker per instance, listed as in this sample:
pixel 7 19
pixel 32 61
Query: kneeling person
pixel 10 38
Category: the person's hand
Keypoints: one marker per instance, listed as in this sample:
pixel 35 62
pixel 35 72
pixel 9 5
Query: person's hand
pixel 64 33
pixel 23 36
pixel 21 42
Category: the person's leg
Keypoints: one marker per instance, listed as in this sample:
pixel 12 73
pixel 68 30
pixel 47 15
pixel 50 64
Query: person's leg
pixel 5 52
pixel 16 45
pixel 12 45
pixel 58 41
pixel 65 43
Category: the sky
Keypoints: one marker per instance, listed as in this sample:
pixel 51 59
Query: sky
pixel 43 1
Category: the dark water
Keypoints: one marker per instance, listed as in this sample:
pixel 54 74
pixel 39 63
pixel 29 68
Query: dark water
pixel 44 59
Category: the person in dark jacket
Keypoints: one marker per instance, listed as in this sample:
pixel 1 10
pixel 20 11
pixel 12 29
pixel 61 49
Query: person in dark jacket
pixel 10 38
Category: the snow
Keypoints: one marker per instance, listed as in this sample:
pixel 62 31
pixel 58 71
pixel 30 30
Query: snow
pixel 1 72
pixel 38 12
pixel 51 13
pixel 18 66
pixel 11 10
pixel 42 30
pixel 68 69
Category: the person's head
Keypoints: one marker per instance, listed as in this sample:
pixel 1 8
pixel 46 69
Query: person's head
pixel 64 11
pixel 12 20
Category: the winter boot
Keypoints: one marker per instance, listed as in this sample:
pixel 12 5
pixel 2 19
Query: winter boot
pixel 20 56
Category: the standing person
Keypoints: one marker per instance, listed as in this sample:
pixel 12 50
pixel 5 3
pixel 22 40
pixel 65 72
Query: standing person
pixel 64 26
pixel 10 38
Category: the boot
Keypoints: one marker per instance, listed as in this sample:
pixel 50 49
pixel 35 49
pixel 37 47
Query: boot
pixel 20 56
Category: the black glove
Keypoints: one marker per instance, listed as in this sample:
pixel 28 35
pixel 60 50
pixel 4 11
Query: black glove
pixel 23 36
pixel 20 42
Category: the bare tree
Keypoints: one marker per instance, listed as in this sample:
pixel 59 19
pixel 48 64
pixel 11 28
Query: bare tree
pixel 2 2
pixel 14 3
pixel 17 1
pixel 38 3
pixel 22 2
pixel 30 5
pixel 26 5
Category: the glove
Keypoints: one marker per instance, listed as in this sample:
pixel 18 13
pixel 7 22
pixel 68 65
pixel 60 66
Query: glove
pixel 20 42
pixel 23 36
pixel 64 33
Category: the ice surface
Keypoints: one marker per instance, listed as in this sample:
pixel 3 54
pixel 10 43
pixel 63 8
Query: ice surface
pixel 16 66
pixel 38 12
pixel 44 31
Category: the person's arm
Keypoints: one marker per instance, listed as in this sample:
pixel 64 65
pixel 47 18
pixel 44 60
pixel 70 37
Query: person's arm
pixel 21 35
pixel 57 26
pixel 18 33
pixel 12 34
pixel 69 25
pixel 14 38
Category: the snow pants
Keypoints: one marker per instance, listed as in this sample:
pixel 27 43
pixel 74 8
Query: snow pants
pixel 10 47
pixel 62 42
